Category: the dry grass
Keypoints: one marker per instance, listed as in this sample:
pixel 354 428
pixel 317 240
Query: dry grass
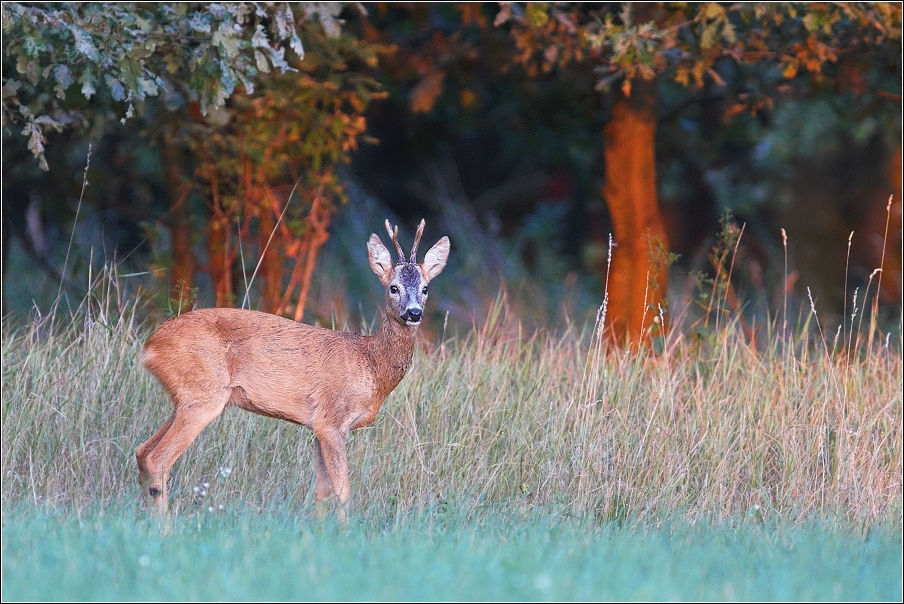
pixel 711 428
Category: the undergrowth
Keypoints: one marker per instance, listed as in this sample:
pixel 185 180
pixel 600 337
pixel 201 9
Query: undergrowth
pixel 789 428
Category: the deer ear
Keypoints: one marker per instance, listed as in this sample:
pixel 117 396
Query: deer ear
pixel 435 259
pixel 380 260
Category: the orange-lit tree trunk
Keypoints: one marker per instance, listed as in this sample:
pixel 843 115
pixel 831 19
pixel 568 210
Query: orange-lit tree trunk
pixel 271 247
pixel 890 278
pixel 304 249
pixel 317 223
pixel 219 254
pixel 638 279
pixel 181 278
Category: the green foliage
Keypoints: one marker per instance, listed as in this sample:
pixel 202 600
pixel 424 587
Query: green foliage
pixel 297 129
pixel 712 288
pixel 234 100
pixel 129 52
pixel 659 258
pixel 183 298
pixel 685 41
pixel 714 60
pixel 302 123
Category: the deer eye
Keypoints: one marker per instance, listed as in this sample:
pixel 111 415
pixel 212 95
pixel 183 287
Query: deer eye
pixel 424 291
pixel 393 289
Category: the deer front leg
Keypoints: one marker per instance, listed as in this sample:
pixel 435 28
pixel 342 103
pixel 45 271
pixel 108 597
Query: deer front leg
pixel 331 473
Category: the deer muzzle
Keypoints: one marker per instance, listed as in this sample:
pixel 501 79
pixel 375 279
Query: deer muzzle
pixel 413 315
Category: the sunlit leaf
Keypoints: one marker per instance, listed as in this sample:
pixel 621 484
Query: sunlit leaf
pixel 63 80
pixel 712 10
pixel 88 89
pixel 200 22
pixel 84 44
pixel 261 61
pixel 424 94
pixel 117 90
pixel 789 71
pixel 536 14
pixel 35 142
pixel 10 88
pixel 147 86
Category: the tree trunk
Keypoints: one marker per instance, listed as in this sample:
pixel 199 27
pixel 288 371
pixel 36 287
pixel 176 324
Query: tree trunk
pixel 317 222
pixel 219 254
pixel 181 277
pixel 638 279
pixel 271 246
pixel 304 250
pixel 890 278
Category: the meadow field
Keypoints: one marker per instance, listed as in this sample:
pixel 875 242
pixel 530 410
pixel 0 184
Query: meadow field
pixel 500 553
pixel 507 465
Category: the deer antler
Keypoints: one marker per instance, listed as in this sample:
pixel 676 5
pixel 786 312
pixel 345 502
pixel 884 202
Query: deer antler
pixel 417 239
pixel 394 235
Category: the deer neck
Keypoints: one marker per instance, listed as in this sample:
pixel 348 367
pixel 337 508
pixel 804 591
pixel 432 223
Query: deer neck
pixel 391 349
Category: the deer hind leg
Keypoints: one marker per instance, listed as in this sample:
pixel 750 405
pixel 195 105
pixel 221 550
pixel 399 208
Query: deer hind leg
pixel 331 473
pixel 152 492
pixel 322 487
pixel 158 454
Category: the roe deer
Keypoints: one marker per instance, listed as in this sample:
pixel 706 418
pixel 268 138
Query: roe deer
pixel 329 381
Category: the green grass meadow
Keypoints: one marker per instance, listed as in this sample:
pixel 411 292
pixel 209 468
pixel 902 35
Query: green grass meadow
pixel 506 466
pixel 119 555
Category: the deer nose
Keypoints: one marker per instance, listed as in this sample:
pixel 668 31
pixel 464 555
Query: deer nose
pixel 413 315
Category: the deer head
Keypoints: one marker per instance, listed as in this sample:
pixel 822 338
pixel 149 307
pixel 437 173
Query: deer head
pixel 406 281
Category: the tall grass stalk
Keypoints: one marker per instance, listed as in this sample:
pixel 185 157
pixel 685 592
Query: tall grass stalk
pixel 483 421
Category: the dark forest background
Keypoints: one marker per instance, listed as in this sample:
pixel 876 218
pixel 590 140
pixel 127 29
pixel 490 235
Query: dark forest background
pixel 240 155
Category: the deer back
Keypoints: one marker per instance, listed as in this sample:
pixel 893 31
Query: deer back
pixel 271 365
